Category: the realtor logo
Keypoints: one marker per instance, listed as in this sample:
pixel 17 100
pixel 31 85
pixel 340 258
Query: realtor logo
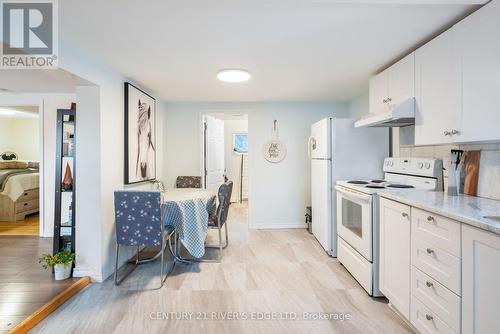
pixel 29 34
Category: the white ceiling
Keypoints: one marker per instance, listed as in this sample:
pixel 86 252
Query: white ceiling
pixel 296 50
pixel 39 81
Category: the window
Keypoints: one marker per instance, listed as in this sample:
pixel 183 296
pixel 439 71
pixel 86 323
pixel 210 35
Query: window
pixel 240 142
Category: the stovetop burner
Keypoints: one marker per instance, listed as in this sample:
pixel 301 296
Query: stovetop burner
pixel 402 186
pixel 378 181
pixel 375 186
pixel 358 182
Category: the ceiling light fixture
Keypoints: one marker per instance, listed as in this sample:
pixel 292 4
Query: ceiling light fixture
pixel 233 75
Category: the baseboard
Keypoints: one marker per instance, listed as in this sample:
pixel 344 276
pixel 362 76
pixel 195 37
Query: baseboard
pixel 84 272
pixel 275 226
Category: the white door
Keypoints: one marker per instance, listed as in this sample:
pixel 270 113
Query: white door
pixel 354 220
pixel 321 203
pixel 477 48
pixel 480 274
pixel 394 270
pixel 214 152
pixel 320 140
pixel 434 91
pixel 402 81
pixel 379 92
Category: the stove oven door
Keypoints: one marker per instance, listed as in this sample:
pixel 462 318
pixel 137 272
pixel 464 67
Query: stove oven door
pixel 354 220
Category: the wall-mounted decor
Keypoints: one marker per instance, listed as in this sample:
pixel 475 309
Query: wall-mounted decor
pixel 274 150
pixel 140 135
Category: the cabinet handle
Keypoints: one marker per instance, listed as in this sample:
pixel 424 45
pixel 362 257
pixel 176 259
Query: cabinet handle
pixel 389 99
pixel 384 100
pixel 447 133
pixel 404 214
pixel 429 317
pixel 430 251
pixel 455 132
pixel 430 219
pixel 429 284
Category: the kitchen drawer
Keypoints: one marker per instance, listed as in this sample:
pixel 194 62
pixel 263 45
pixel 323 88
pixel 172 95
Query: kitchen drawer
pixel 28 195
pixel 440 300
pixel 437 230
pixel 426 321
pixel 437 263
pixel 357 265
pixel 27 206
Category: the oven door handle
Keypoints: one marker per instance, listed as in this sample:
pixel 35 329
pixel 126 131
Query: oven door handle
pixel 351 194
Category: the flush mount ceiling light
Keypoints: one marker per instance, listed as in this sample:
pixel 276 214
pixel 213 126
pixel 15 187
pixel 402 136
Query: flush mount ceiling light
pixel 233 75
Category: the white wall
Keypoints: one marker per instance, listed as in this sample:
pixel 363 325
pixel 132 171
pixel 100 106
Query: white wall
pixel 359 106
pixel 232 160
pixel 20 136
pixel 278 193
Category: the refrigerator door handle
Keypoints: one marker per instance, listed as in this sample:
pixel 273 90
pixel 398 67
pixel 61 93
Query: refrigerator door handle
pixel 309 146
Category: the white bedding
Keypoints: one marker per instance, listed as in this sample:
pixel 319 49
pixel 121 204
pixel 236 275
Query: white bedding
pixel 18 184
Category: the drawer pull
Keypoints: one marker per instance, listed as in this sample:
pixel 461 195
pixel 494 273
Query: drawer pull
pixel 404 214
pixel 25 194
pixel 25 204
pixel 429 317
pixel 430 219
pixel 430 251
pixel 429 284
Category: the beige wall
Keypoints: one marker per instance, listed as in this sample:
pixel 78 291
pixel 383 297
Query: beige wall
pixel 20 136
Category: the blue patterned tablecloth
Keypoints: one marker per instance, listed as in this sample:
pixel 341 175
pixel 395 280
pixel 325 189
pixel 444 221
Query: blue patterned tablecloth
pixel 187 210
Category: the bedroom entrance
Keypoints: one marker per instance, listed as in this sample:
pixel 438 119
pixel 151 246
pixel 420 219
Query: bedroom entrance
pixel 20 155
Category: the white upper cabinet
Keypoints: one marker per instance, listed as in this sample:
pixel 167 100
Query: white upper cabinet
pixel 477 49
pixel 393 86
pixel 457 82
pixel 434 93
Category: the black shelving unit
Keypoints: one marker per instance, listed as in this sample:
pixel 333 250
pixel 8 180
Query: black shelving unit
pixel 65 211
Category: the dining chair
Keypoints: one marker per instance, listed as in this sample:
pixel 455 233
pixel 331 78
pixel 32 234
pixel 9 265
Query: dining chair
pixel 139 222
pixel 218 220
pixel 188 182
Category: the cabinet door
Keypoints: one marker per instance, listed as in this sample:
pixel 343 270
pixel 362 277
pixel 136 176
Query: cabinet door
pixel 402 80
pixel 434 91
pixel 480 275
pixel 477 49
pixel 395 254
pixel 379 93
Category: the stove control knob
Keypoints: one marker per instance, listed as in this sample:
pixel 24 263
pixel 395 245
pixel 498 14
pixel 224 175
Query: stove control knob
pixel 427 165
pixel 420 165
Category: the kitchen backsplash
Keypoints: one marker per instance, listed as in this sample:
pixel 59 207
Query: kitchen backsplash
pixel 489 176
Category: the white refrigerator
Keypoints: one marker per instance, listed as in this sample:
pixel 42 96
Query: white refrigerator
pixel 338 151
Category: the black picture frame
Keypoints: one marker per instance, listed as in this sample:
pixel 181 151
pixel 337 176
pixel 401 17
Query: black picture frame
pixel 132 144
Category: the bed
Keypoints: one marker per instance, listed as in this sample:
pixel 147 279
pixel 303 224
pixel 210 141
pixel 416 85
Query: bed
pixel 19 190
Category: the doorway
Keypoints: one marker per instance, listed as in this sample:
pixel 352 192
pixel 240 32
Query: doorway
pixel 20 178
pixel 225 153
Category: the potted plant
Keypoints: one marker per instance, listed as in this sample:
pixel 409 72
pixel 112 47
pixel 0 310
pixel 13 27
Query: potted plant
pixel 61 262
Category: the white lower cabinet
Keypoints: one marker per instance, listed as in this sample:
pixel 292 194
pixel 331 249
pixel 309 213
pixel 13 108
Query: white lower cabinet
pixel 425 319
pixel 480 281
pixel 394 272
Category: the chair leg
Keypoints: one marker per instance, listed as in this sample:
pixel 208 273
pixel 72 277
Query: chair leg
pixel 116 263
pixel 220 243
pixel 227 236
pixel 161 261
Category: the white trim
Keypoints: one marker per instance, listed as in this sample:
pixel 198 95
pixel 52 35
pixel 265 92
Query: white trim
pixel 276 226
pixel 82 272
pixel 39 102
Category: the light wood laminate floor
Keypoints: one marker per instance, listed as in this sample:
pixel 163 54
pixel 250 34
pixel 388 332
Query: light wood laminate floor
pixel 24 284
pixel 28 226
pixel 263 271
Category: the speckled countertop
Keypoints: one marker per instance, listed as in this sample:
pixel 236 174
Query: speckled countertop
pixel 466 209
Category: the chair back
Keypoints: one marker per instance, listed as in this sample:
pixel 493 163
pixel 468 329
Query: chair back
pixel 138 218
pixel 224 195
pixel 188 182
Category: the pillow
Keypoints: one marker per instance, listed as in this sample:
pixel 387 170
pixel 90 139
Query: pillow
pixel 13 164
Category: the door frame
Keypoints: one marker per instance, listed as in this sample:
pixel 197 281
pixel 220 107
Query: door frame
pixel 30 102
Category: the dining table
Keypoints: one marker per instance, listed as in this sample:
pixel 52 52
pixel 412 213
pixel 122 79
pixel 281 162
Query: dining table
pixel 188 211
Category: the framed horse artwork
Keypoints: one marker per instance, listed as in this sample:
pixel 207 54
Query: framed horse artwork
pixel 140 135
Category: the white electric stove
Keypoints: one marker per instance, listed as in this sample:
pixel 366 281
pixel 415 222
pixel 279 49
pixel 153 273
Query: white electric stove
pixel 357 213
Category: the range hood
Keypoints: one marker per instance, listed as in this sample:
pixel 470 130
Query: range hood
pixel 402 114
